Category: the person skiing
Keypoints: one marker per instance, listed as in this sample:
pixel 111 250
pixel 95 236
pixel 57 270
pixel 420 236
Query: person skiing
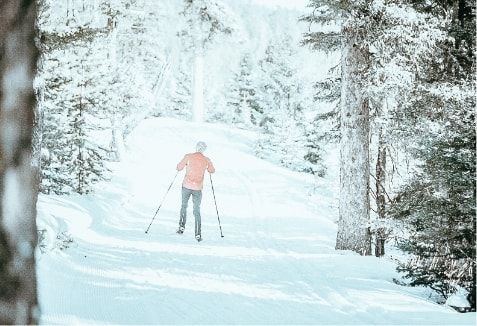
pixel 192 185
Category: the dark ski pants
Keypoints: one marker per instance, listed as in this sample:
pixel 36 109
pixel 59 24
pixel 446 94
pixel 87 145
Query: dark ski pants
pixel 196 199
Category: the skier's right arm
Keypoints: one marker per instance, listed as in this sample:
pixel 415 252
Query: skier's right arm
pixel 182 163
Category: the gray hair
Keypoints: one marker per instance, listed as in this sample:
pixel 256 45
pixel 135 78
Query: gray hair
pixel 201 147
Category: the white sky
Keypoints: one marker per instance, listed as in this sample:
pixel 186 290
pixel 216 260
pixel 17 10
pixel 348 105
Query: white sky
pixel 292 4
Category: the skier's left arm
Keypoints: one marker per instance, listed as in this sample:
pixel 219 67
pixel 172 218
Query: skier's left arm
pixel 210 166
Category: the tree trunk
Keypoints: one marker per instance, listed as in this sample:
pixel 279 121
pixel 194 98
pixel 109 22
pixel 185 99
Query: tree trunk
pixel 70 12
pixel 245 110
pixel 198 88
pixel 81 166
pixel 117 146
pixel 117 141
pixel 38 133
pixel 380 194
pixel 18 189
pixel 113 42
pixel 353 232
pixel 198 73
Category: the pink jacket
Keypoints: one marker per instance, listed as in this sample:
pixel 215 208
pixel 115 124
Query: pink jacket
pixel 196 164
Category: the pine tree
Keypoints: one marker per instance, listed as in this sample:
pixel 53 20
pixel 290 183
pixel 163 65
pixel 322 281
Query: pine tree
pixel 328 90
pixel 314 150
pixel 53 164
pixel 241 99
pixel 135 65
pixel 205 19
pixel 393 39
pixel 75 89
pixel 278 98
pixel 178 100
pixel 438 203
pixel 86 165
pixel 283 142
pixel 351 39
pixel 278 88
pixel 399 37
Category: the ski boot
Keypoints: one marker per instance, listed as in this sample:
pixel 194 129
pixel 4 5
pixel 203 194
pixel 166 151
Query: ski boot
pixel 198 238
pixel 180 230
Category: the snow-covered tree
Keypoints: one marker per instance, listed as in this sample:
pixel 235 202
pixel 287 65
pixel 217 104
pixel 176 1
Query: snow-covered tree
pixel 205 19
pixel 399 39
pixel 280 103
pixel 18 188
pixel 437 205
pixel 328 91
pixel 283 142
pixel 411 77
pixel 111 99
pixel 278 88
pixel 78 83
pixel 74 160
pixel 86 164
pixel 393 39
pixel 314 150
pixel 242 104
pixel 177 99
pixel 351 16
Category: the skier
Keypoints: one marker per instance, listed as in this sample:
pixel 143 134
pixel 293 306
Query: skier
pixel 192 185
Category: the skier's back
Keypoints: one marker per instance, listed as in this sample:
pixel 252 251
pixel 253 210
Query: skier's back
pixel 196 164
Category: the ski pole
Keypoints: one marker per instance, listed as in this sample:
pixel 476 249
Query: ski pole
pixel 162 201
pixel 215 201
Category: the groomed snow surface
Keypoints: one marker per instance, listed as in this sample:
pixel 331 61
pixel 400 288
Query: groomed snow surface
pixel 275 265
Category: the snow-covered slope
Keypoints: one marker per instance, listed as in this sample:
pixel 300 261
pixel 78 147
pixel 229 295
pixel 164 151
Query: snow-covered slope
pixel 275 265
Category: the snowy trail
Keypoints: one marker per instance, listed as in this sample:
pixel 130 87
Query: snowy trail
pixel 276 264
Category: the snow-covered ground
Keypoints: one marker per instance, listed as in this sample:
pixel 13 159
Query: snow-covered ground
pixel 275 265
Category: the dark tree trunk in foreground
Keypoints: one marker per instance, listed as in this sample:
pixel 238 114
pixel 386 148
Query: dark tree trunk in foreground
pixel 18 189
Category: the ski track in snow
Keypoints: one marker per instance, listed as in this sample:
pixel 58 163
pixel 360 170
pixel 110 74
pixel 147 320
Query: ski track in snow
pixel 276 264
